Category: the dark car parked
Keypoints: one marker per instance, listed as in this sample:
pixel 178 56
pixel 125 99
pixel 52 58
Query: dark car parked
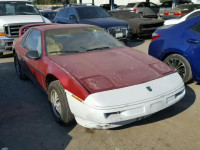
pixel 49 15
pixel 139 26
pixel 107 6
pixel 93 15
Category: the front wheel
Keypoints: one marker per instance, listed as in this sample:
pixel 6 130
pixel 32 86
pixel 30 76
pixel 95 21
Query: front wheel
pixel 18 68
pixel 59 103
pixel 181 65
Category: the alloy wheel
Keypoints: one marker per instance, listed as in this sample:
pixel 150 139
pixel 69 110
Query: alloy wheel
pixel 178 66
pixel 56 104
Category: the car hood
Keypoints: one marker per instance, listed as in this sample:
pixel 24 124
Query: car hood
pixel 20 19
pixel 111 69
pixel 104 22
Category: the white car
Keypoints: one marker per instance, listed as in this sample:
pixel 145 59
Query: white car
pixel 192 14
pixel 13 15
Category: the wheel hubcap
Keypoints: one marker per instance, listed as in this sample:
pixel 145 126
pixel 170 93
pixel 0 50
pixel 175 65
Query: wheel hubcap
pixel 56 103
pixel 177 65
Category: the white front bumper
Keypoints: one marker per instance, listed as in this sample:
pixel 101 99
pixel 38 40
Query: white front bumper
pixel 118 107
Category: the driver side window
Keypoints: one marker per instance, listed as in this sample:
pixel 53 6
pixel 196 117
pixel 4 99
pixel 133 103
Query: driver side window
pixel 196 28
pixel 195 14
pixel 72 11
pixel 33 42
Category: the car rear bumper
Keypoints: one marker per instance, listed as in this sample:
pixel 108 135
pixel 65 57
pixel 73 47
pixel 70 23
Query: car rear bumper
pixel 128 105
pixel 6 43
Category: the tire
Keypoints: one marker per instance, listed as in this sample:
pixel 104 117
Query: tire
pixel 59 103
pixel 141 14
pixel 181 65
pixel 1 54
pixel 18 68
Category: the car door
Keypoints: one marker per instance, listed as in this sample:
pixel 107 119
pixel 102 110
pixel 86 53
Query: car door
pixel 71 15
pixel 35 67
pixel 141 9
pixel 22 50
pixel 192 36
pixel 146 9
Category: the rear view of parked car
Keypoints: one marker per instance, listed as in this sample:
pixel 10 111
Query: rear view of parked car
pixel 180 10
pixel 178 46
pixel 165 7
pixel 193 14
pixel 93 15
pixel 145 9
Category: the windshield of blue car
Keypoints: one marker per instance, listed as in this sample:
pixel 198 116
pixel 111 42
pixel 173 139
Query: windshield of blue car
pixel 17 8
pixel 92 12
pixel 78 40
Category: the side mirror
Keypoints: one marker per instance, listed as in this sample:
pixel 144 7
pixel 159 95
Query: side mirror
pixel 32 55
pixel 73 17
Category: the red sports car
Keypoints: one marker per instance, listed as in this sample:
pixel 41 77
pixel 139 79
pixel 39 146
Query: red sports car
pixel 92 77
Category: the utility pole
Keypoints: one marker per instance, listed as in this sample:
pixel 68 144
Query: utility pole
pixel 111 4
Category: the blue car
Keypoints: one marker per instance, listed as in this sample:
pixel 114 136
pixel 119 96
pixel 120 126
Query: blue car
pixel 179 47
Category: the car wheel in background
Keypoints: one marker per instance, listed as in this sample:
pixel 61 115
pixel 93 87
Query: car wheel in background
pixel 141 14
pixel 1 54
pixel 181 65
pixel 59 103
pixel 19 69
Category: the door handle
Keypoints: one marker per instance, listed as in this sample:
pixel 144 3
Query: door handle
pixel 193 41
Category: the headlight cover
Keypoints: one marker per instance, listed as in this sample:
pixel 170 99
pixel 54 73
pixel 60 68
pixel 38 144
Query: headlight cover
pixel 96 83
pixel 162 68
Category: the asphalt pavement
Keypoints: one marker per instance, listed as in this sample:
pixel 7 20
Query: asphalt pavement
pixel 27 123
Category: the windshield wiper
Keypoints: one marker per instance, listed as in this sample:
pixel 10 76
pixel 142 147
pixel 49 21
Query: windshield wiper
pixel 98 48
pixel 60 52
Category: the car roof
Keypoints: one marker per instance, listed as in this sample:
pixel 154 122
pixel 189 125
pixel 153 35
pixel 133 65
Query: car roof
pixel 60 26
pixel 180 27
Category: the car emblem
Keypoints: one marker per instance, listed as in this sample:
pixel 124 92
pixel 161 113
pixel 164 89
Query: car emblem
pixel 149 88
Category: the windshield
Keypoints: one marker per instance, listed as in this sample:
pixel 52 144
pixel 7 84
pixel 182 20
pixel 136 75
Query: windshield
pixel 78 40
pixel 130 5
pixel 17 8
pixel 92 12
